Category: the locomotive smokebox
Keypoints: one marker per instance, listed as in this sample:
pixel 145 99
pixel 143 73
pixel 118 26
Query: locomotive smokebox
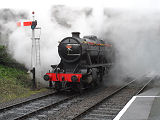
pixel 76 34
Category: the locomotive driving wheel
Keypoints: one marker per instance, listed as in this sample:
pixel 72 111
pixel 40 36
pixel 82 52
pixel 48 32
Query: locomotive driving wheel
pixel 58 86
pixel 78 87
pixel 50 84
pixel 95 77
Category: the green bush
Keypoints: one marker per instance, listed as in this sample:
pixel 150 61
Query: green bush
pixel 14 80
pixel 7 60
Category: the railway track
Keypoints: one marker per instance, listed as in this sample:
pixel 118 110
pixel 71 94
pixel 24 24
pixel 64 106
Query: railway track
pixel 93 104
pixel 19 102
pixel 109 107
pixel 28 107
pixel 58 111
pixel 84 106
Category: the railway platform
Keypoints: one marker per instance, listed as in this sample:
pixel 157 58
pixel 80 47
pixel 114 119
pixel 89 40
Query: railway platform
pixel 145 106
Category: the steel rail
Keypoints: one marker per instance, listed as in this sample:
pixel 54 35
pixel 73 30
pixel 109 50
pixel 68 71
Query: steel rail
pixel 109 96
pixel 29 100
pixel 43 108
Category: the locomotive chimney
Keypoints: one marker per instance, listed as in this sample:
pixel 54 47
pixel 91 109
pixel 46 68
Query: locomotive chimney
pixel 75 34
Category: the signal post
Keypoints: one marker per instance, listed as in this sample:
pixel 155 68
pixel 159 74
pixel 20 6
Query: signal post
pixel 35 51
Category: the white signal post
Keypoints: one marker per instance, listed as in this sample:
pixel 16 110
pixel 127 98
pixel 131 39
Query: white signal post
pixel 33 46
pixel 35 52
pixel 35 55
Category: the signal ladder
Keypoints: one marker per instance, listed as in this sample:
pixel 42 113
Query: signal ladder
pixel 36 58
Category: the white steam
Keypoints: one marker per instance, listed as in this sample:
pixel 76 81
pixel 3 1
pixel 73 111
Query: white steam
pixel 135 34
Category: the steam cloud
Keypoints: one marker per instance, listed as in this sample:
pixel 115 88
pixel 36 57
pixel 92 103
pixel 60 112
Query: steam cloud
pixel 136 38
pixel 135 34
pixel 8 19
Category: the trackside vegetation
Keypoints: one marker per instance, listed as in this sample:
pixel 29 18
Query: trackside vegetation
pixel 14 80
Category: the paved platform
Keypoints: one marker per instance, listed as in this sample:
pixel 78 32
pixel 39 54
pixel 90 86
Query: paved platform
pixel 145 106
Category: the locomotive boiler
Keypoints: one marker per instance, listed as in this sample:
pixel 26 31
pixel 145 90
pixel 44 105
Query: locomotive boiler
pixel 83 63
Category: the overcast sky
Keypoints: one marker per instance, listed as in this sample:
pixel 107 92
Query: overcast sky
pixel 45 4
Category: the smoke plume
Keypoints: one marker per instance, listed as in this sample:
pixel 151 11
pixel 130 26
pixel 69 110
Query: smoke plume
pixel 8 20
pixel 135 36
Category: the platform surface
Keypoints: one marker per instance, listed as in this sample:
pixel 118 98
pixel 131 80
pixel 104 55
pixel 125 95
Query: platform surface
pixel 145 106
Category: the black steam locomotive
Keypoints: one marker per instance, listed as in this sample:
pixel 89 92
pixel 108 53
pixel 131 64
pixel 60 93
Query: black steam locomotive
pixel 83 63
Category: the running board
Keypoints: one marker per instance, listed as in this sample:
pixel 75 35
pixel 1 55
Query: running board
pixel 99 65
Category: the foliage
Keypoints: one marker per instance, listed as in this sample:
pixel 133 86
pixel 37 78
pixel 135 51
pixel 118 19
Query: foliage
pixel 14 80
pixel 7 60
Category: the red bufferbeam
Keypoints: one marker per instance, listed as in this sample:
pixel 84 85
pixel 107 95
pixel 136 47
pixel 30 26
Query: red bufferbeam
pixel 63 77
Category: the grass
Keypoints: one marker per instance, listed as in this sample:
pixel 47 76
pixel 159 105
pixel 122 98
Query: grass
pixel 14 80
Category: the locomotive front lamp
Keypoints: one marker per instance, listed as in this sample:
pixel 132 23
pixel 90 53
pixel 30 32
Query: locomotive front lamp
pixel 74 78
pixel 46 77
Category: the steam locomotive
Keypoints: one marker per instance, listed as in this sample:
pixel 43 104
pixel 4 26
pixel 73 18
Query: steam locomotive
pixel 83 63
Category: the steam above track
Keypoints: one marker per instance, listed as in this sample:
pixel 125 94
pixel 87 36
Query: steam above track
pixel 134 30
